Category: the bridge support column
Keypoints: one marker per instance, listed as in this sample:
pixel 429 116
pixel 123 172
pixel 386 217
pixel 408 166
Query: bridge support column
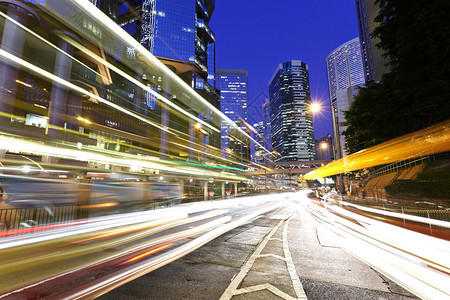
pixel 223 190
pixel 235 189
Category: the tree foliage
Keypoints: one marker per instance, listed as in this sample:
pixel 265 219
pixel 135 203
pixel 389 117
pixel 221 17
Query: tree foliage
pixel 415 36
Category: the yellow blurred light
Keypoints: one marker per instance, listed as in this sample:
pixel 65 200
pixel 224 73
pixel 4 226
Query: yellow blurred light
pixel 431 140
pixel 198 126
pixel 23 83
pixel 84 120
pixel 324 145
pixel 40 106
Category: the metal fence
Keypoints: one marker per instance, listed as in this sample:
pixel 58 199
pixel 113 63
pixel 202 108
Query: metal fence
pixel 25 218
pixel 436 214
pixel 397 166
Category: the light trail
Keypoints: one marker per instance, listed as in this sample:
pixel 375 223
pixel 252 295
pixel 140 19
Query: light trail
pixel 94 13
pixel 124 241
pixel 431 140
pixel 418 262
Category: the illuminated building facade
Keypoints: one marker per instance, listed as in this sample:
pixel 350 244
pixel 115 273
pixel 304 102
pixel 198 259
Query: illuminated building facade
pixel 344 70
pixel 259 155
pixel 178 33
pixel 290 118
pixel 233 86
pixel 266 122
pixel 344 67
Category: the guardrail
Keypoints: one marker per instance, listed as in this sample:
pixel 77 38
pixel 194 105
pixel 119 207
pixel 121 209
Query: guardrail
pixel 397 166
pixel 22 218
pixel 436 214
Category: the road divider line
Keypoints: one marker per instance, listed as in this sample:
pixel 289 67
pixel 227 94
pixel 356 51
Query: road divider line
pixel 265 286
pixel 272 255
pixel 298 287
pixel 233 287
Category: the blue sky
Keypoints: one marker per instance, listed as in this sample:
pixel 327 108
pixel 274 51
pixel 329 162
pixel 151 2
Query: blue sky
pixel 258 35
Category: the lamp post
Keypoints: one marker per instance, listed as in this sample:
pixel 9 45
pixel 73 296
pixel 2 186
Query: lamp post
pixel 316 107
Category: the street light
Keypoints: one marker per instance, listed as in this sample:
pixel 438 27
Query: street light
pixel 316 107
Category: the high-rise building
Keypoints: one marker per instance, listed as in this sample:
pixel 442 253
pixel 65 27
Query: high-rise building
pixel 266 122
pixel 233 86
pixel 290 118
pixel 344 67
pixel 259 155
pixel 344 70
pixel 177 32
pixel 373 59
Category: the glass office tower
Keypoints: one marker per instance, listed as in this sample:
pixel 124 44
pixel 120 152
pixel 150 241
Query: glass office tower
pixel 345 67
pixel 290 118
pixel 177 32
pixel 345 71
pixel 233 86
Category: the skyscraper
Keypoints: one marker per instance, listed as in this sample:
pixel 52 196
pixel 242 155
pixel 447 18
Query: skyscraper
pixel 266 123
pixel 177 32
pixel 344 72
pixel 373 60
pixel 344 67
pixel 233 86
pixel 290 118
pixel 260 153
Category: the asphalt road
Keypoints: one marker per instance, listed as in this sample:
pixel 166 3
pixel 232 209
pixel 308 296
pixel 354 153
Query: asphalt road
pixel 284 254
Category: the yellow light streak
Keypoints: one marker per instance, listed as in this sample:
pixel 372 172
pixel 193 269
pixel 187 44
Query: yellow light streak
pixel 84 120
pixel 40 106
pixel 23 83
pixel 431 140
pixel 40 167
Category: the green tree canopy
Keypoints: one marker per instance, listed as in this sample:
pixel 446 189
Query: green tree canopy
pixel 415 36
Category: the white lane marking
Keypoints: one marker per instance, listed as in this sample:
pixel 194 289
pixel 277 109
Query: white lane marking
pixel 265 286
pixel 276 239
pixel 290 265
pixel 298 288
pixel 229 292
pixel 273 255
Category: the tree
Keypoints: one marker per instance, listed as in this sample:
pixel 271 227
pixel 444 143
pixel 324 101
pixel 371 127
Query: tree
pixel 415 36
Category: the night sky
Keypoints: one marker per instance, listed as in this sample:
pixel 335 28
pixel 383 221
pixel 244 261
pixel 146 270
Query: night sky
pixel 258 35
